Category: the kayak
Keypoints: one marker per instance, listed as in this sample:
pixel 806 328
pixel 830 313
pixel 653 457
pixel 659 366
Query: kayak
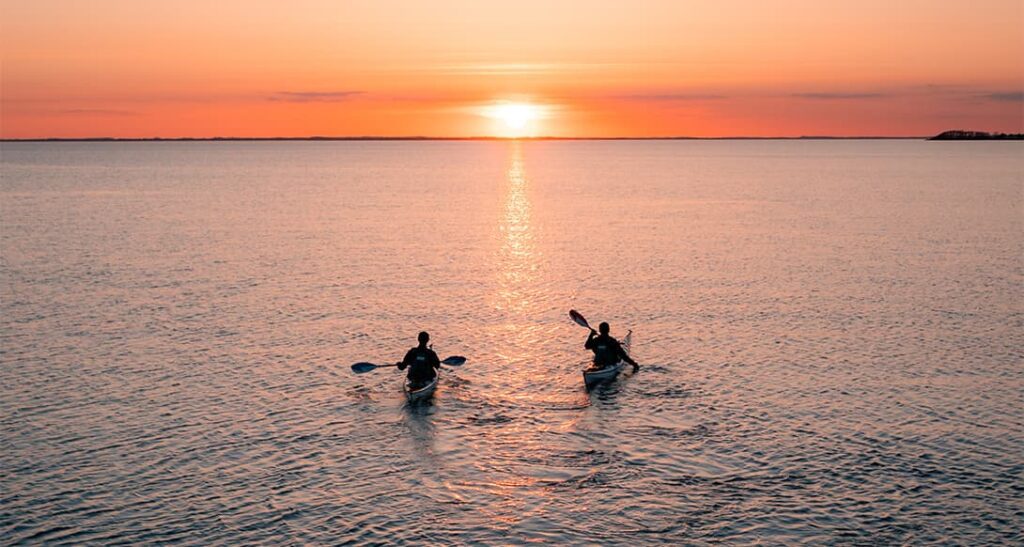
pixel 422 393
pixel 593 376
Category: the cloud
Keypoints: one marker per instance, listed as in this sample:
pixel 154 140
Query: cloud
pixel 841 95
pixel 97 112
pixel 499 69
pixel 314 96
pixel 946 92
pixel 672 97
pixel 1007 96
pixel 511 69
pixel 675 96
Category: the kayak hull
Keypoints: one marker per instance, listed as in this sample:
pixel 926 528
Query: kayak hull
pixel 592 376
pixel 423 392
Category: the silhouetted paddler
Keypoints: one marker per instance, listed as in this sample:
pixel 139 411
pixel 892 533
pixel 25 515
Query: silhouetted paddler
pixel 421 361
pixel 607 350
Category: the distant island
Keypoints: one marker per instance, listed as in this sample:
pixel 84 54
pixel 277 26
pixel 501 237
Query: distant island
pixel 961 135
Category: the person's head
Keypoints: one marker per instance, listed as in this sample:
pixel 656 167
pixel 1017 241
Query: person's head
pixel 603 327
pixel 424 338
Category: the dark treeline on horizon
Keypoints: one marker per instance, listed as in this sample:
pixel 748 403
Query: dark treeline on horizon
pixel 962 135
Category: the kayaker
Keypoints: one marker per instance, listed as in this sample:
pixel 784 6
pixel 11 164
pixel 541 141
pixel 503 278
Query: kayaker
pixel 422 362
pixel 607 350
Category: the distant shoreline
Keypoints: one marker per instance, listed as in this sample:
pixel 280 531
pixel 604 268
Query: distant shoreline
pixel 962 135
pixel 953 135
pixel 414 138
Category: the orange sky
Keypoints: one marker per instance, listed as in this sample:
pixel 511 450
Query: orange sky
pixel 641 68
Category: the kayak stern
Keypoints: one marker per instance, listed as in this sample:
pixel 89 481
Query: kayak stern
pixel 421 393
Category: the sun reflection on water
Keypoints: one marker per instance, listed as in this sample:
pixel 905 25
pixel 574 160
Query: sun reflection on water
pixel 519 257
pixel 520 296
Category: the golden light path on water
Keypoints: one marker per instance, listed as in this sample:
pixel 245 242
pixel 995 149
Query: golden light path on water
pixel 519 257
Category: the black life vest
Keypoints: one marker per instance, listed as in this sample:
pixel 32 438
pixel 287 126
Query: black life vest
pixel 605 351
pixel 421 367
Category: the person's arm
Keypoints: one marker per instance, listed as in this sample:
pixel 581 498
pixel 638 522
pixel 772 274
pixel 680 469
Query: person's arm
pixel 405 360
pixel 434 361
pixel 589 344
pixel 624 356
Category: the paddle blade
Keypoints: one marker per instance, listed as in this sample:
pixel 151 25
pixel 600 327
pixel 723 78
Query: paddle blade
pixel 360 368
pixel 579 319
pixel 627 342
pixel 454 360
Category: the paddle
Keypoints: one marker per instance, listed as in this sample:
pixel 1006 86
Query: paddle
pixel 628 343
pixel 359 368
pixel 578 318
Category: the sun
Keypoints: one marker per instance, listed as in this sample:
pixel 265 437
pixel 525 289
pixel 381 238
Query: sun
pixel 515 115
pixel 516 118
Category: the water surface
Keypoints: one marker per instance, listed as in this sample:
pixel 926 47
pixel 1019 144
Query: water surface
pixel 831 334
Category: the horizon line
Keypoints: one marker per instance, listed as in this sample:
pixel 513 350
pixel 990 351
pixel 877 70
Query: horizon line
pixel 471 138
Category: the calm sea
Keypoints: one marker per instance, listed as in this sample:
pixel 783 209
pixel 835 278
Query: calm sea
pixel 831 335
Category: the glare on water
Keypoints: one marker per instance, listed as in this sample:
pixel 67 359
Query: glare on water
pixel 518 259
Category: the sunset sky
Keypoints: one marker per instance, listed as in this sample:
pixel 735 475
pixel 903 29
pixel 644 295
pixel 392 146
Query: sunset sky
pixel 510 68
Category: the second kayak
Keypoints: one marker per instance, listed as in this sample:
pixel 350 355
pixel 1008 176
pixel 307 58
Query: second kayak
pixel 592 376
